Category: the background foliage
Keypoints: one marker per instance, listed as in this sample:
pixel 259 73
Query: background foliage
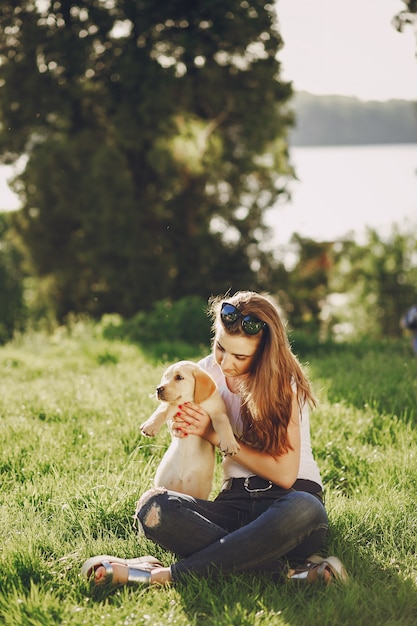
pixel 153 137
pixel 344 120
pixel 150 142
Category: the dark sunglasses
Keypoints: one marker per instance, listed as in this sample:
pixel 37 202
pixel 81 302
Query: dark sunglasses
pixel 230 314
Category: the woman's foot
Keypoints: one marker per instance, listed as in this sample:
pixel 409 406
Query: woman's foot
pixel 317 568
pixel 110 571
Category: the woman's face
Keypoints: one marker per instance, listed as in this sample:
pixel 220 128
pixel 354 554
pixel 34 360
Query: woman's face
pixel 235 353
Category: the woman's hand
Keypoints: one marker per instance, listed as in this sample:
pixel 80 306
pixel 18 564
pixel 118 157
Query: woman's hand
pixel 192 419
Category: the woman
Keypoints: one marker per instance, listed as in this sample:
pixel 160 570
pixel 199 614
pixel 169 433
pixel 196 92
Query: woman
pixel 269 516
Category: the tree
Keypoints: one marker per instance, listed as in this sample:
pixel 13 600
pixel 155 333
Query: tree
pixel 155 138
pixel 304 289
pixel 12 308
pixel 380 280
pixel 345 289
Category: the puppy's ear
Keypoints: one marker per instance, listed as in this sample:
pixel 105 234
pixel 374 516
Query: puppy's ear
pixel 204 385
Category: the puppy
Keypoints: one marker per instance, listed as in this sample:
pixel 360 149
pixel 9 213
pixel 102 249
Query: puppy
pixel 188 464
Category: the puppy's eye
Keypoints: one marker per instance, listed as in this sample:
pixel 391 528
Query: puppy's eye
pixel 179 377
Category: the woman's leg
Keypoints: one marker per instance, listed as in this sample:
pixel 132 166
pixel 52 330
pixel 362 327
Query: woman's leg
pixel 295 523
pixel 183 524
pixel 255 534
pixel 179 523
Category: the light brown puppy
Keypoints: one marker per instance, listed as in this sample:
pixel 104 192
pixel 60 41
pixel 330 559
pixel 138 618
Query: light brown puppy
pixel 188 464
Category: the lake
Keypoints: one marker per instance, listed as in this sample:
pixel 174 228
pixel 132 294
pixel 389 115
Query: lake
pixel 341 189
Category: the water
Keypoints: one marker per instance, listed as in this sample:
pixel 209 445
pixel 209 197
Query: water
pixel 342 189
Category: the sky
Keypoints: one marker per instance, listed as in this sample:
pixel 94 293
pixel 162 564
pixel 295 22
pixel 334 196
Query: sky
pixel 347 47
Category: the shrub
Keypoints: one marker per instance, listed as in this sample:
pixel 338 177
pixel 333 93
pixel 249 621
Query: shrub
pixel 183 325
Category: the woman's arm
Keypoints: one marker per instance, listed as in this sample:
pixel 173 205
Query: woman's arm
pixel 281 470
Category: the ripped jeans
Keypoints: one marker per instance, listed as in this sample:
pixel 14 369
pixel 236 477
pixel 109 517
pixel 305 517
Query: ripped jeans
pixel 241 530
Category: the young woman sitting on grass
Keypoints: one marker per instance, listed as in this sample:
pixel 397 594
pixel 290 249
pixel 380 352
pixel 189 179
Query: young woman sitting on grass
pixel 269 516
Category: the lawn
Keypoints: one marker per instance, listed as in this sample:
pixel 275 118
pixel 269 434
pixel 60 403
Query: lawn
pixel 73 463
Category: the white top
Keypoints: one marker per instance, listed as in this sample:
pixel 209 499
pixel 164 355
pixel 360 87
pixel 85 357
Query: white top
pixel 232 469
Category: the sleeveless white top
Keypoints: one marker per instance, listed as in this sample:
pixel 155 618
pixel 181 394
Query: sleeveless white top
pixel 232 469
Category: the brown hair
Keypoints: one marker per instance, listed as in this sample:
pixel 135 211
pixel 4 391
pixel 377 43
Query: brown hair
pixel 276 373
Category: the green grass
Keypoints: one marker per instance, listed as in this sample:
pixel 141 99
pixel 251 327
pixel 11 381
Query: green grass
pixel 73 464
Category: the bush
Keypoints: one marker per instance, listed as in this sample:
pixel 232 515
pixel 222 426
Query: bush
pixel 170 329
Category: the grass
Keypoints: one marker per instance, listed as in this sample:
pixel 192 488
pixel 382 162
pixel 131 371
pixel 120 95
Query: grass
pixel 73 464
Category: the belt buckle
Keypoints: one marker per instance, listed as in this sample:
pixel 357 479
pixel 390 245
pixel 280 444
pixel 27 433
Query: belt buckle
pixel 246 486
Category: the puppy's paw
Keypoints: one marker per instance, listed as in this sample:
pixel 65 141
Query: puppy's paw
pixel 229 447
pixel 148 430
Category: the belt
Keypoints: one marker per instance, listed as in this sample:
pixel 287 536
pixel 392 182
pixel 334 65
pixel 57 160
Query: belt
pixel 250 483
pixel 255 484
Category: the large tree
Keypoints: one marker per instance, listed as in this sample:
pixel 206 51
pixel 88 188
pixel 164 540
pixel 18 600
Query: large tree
pixel 154 137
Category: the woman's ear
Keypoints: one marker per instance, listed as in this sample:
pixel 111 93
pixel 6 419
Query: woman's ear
pixel 204 385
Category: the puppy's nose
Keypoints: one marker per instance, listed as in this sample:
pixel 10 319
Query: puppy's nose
pixel 160 390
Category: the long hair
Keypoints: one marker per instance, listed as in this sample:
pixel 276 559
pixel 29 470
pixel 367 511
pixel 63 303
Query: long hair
pixel 276 374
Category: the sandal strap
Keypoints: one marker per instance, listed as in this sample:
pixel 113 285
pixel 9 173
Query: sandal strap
pixel 137 576
pixel 108 576
pixel 308 572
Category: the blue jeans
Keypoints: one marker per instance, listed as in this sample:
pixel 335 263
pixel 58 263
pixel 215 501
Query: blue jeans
pixel 239 531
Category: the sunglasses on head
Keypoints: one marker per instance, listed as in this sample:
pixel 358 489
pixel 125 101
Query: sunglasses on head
pixel 230 314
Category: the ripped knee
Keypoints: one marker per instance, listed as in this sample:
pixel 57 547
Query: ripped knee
pixel 148 510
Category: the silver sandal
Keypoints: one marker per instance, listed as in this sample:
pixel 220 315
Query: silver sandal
pixel 139 570
pixel 317 568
